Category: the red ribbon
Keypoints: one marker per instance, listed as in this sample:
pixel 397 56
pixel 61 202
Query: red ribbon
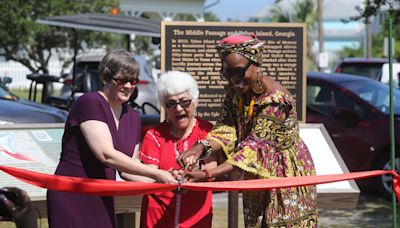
pixel 118 188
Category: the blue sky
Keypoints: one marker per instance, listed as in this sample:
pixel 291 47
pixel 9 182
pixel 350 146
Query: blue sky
pixel 236 9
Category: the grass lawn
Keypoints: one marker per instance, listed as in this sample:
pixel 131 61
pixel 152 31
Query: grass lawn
pixel 24 93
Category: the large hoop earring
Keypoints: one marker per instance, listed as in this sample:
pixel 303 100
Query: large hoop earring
pixel 257 87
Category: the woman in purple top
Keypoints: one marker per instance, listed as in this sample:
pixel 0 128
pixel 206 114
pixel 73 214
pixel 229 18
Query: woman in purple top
pixel 100 136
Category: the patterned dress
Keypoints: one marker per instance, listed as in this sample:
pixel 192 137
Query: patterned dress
pixel 265 143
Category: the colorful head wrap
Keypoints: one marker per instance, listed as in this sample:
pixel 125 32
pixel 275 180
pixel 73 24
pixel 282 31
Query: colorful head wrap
pixel 246 45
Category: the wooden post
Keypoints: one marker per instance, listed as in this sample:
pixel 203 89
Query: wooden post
pixel 233 208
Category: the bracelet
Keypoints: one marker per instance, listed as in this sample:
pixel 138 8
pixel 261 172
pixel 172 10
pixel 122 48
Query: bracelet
pixel 207 147
pixel 209 177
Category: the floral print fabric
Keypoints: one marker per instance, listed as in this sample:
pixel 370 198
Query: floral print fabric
pixel 268 145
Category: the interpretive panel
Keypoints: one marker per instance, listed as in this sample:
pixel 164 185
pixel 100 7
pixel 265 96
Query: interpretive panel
pixel 190 47
pixel 37 147
pixel 327 160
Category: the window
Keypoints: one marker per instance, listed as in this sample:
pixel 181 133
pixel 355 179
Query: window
pixel 321 99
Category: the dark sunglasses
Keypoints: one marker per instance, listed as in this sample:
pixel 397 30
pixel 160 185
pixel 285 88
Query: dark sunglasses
pixel 123 81
pixel 171 104
pixel 236 72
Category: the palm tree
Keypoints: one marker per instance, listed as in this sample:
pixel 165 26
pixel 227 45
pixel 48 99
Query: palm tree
pixel 278 15
pixel 304 11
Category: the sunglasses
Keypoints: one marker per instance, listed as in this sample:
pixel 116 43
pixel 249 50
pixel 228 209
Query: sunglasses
pixel 123 81
pixel 171 104
pixel 236 72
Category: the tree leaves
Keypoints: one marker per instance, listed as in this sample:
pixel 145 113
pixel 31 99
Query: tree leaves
pixel 23 40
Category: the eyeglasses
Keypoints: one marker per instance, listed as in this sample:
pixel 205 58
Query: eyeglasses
pixel 123 81
pixel 171 104
pixel 236 72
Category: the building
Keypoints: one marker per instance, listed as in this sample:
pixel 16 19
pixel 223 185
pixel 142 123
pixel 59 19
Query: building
pixel 163 9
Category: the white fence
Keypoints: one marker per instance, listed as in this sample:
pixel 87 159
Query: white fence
pixel 18 73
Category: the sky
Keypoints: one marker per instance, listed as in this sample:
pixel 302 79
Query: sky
pixel 236 9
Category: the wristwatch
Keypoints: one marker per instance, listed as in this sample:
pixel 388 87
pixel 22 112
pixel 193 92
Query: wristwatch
pixel 207 147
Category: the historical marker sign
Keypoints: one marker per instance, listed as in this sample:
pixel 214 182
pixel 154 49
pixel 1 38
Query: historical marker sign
pixel 190 47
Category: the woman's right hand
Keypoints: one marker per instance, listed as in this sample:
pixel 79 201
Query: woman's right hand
pixel 189 158
pixel 163 176
pixel 196 176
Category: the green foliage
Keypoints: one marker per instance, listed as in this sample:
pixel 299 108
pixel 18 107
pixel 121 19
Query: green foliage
pixel 378 40
pixel 371 8
pixel 141 44
pixel 23 40
pixel 303 12
pixel 352 52
pixel 209 16
pixel 279 15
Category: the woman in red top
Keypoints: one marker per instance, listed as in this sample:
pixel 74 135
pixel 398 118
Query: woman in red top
pixel 178 93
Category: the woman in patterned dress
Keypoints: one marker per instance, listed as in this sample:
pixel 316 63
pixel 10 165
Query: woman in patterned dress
pixel 259 134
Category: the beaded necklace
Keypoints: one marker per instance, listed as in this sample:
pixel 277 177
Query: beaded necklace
pixel 245 117
pixel 250 110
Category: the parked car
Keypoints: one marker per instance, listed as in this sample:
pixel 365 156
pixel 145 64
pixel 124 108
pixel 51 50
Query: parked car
pixel 367 67
pixel 375 68
pixel 15 110
pixel 355 111
pixel 4 81
pixel 87 80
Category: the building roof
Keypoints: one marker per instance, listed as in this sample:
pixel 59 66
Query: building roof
pixel 107 23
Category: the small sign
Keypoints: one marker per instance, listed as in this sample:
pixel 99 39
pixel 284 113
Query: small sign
pixel 386 47
pixel 323 60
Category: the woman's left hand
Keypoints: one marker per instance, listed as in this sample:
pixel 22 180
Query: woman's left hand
pixel 176 173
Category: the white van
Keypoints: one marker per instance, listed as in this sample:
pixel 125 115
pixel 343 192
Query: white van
pixel 396 74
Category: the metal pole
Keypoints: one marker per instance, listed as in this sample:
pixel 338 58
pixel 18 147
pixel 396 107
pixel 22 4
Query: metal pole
pixel 392 144
pixel 76 47
pixel 320 30
pixel 128 42
pixel 368 42
pixel 233 203
pixel 178 194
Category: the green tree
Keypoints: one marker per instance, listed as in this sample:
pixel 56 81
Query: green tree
pixel 209 16
pixel 378 38
pixel 304 11
pixel 142 43
pixel 25 41
pixel 279 15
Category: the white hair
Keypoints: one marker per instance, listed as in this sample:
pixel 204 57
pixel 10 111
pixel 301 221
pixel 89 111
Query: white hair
pixel 176 82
